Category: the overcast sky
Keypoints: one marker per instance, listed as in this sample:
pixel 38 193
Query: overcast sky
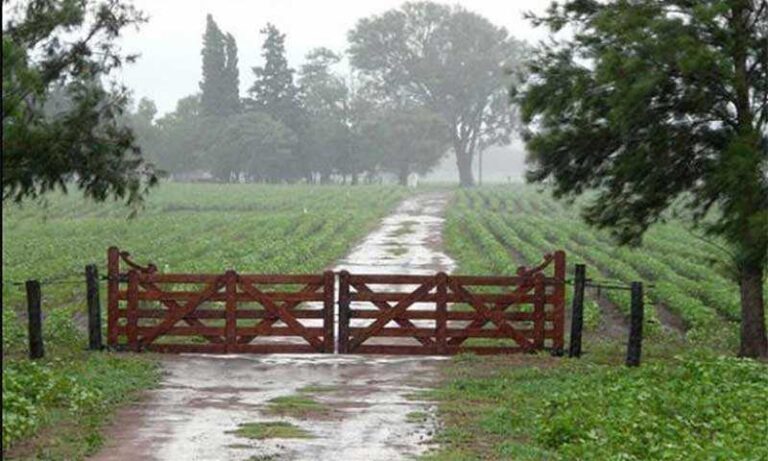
pixel 169 44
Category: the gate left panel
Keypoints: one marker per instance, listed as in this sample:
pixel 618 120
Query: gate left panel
pixel 217 313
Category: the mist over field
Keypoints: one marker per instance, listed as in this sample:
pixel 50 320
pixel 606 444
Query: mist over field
pixel 385 230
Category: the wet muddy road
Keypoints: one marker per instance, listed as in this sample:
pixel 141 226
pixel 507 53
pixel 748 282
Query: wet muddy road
pixel 369 412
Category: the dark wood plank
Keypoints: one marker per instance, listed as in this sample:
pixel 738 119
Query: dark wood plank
pixel 113 288
pixel 329 296
pixel 441 306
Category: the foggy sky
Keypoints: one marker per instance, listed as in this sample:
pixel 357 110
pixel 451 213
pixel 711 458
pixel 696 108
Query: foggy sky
pixel 170 43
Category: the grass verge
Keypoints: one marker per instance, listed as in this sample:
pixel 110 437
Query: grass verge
pixel 693 405
pixel 54 409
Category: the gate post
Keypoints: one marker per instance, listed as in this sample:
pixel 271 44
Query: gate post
pixel 441 322
pixel 558 303
pixel 230 341
pixel 328 308
pixel 344 302
pixel 577 310
pixel 132 315
pixel 34 319
pixel 113 290
pixel 635 343
pixel 94 307
pixel 539 319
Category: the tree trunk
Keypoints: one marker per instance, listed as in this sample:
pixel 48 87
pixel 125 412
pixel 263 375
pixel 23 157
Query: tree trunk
pixel 753 336
pixel 402 177
pixel 464 163
pixel 355 179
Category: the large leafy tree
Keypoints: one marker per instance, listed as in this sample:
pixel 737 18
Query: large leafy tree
pixel 184 137
pixel 655 103
pixel 219 86
pixel 451 60
pixel 252 144
pixel 68 47
pixel 406 138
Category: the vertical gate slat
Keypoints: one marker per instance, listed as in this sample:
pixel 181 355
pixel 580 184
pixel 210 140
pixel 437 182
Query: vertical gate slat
pixel 538 310
pixel 344 304
pixel 441 323
pixel 131 327
pixel 231 311
pixel 328 314
pixel 113 290
pixel 558 303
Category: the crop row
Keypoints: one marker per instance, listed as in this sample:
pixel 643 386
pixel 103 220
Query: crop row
pixel 688 274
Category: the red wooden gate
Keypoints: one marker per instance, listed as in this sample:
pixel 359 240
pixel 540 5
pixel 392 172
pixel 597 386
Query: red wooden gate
pixel 217 313
pixel 439 314
pixel 392 314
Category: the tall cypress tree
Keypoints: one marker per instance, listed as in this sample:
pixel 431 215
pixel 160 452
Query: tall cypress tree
pixel 219 85
pixel 273 91
pixel 275 94
pixel 232 76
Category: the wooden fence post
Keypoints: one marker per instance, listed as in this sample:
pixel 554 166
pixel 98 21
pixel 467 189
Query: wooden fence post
pixel 634 346
pixel 577 310
pixel 94 307
pixel 344 303
pixel 34 319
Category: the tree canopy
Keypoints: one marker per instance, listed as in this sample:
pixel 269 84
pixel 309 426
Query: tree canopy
pixel 219 88
pixel 655 103
pixel 453 61
pixel 68 47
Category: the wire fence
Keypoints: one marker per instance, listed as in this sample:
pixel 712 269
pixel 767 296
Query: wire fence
pixel 60 280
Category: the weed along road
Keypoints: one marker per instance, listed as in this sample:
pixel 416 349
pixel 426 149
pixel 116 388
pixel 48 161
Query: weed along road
pixel 299 407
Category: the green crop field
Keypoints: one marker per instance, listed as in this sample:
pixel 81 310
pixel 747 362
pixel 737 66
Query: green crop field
pixel 495 229
pixel 689 400
pixel 491 407
pixel 183 227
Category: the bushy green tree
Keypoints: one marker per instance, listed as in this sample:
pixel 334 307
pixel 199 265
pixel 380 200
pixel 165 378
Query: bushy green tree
pixel 406 138
pixel 253 145
pixel 184 137
pixel 658 102
pixel 68 47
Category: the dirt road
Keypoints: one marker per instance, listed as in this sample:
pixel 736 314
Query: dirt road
pixel 366 410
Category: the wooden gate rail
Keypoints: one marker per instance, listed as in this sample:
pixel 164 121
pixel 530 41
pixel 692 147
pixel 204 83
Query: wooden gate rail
pixel 448 329
pixel 282 311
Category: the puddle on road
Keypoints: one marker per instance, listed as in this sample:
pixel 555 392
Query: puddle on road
pixel 203 399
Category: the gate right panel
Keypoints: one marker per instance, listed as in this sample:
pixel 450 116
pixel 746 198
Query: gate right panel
pixel 445 314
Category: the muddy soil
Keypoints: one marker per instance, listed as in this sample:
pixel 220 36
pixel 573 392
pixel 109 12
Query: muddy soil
pixel 202 399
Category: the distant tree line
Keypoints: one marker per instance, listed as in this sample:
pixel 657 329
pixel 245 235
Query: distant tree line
pixel 425 79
